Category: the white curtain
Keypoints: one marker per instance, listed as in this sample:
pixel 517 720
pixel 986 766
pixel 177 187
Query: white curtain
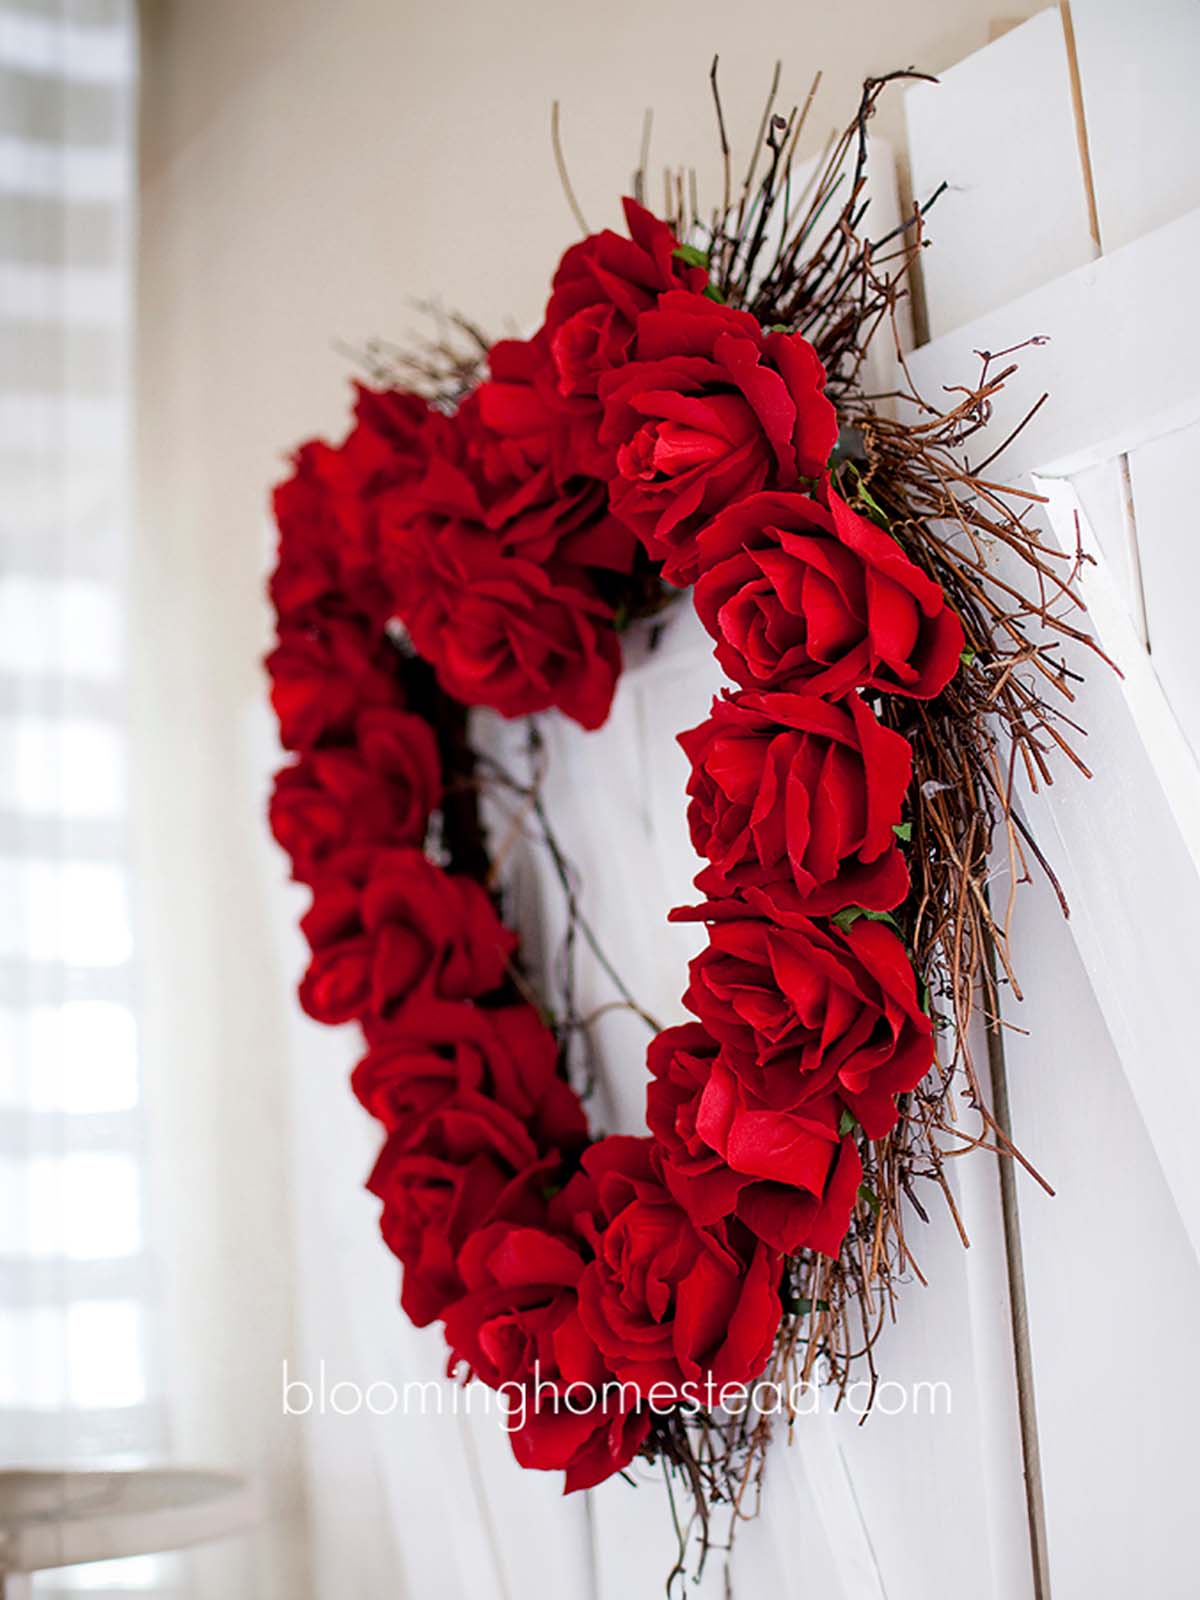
pixel 80 1378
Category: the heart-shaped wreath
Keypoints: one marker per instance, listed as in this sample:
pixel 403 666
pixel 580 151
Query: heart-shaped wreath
pixel 685 419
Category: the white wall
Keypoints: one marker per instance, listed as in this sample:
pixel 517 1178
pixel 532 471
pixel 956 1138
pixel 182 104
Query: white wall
pixel 308 172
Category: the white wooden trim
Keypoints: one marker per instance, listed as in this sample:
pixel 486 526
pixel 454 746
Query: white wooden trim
pixel 1125 846
pixel 1172 756
pixel 1117 378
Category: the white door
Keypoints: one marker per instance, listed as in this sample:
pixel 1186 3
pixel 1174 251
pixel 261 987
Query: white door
pixel 1069 147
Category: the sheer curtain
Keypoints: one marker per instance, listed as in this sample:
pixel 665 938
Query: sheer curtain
pixel 79 1378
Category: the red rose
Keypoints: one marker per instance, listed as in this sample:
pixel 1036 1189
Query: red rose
pixel 519 1317
pixel 789 1175
pixel 476 1114
pixel 388 925
pixel 378 791
pixel 512 441
pixel 323 511
pixel 323 672
pixel 517 437
pixel 387 443
pixel 503 462
pixel 505 1058
pixel 668 1303
pixel 589 1445
pixel 501 630
pixel 527 450
pixel 601 287
pixel 710 410
pixel 789 787
pixel 443 1178
pixel 820 600
pixel 517 1328
pixel 813 1010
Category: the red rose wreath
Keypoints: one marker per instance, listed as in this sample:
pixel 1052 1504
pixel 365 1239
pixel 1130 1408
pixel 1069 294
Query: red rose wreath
pixel 483 550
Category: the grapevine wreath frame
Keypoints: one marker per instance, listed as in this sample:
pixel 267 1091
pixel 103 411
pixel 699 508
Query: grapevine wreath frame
pixel 690 417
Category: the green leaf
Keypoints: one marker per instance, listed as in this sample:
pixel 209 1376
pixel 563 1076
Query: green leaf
pixel 883 916
pixel 865 1192
pixel 804 1305
pixel 847 1123
pixel 903 830
pixel 865 498
pixel 849 915
pixel 874 509
pixel 691 255
pixel 711 292
pixel 967 657
pixel 926 1002
pixel 620 619
pixel 778 327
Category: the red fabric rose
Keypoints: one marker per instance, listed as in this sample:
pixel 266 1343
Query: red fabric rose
pixel 515 445
pixel 820 600
pixel 324 671
pixel 710 410
pixel 789 787
pixel 813 1010
pixel 789 1175
pixel 529 452
pixel 378 791
pixel 504 1058
pixel 473 1104
pixel 519 1315
pixel 589 1445
pixel 499 629
pixel 666 1302
pixel 443 1178
pixel 601 287
pixel 388 925
pixel 324 509
pixel 517 1328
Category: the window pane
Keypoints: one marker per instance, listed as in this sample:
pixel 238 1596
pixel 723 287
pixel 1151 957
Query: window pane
pixel 74 912
pixel 69 627
pixel 32 1357
pixel 83 1205
pixel 132 1572
pixel 104 1353
pixel 70 768
pixel 81 1056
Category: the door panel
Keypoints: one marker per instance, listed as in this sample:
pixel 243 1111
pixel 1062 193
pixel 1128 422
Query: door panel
pixel 1113 1287
pixel 856 1492
pixel 1100 1051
